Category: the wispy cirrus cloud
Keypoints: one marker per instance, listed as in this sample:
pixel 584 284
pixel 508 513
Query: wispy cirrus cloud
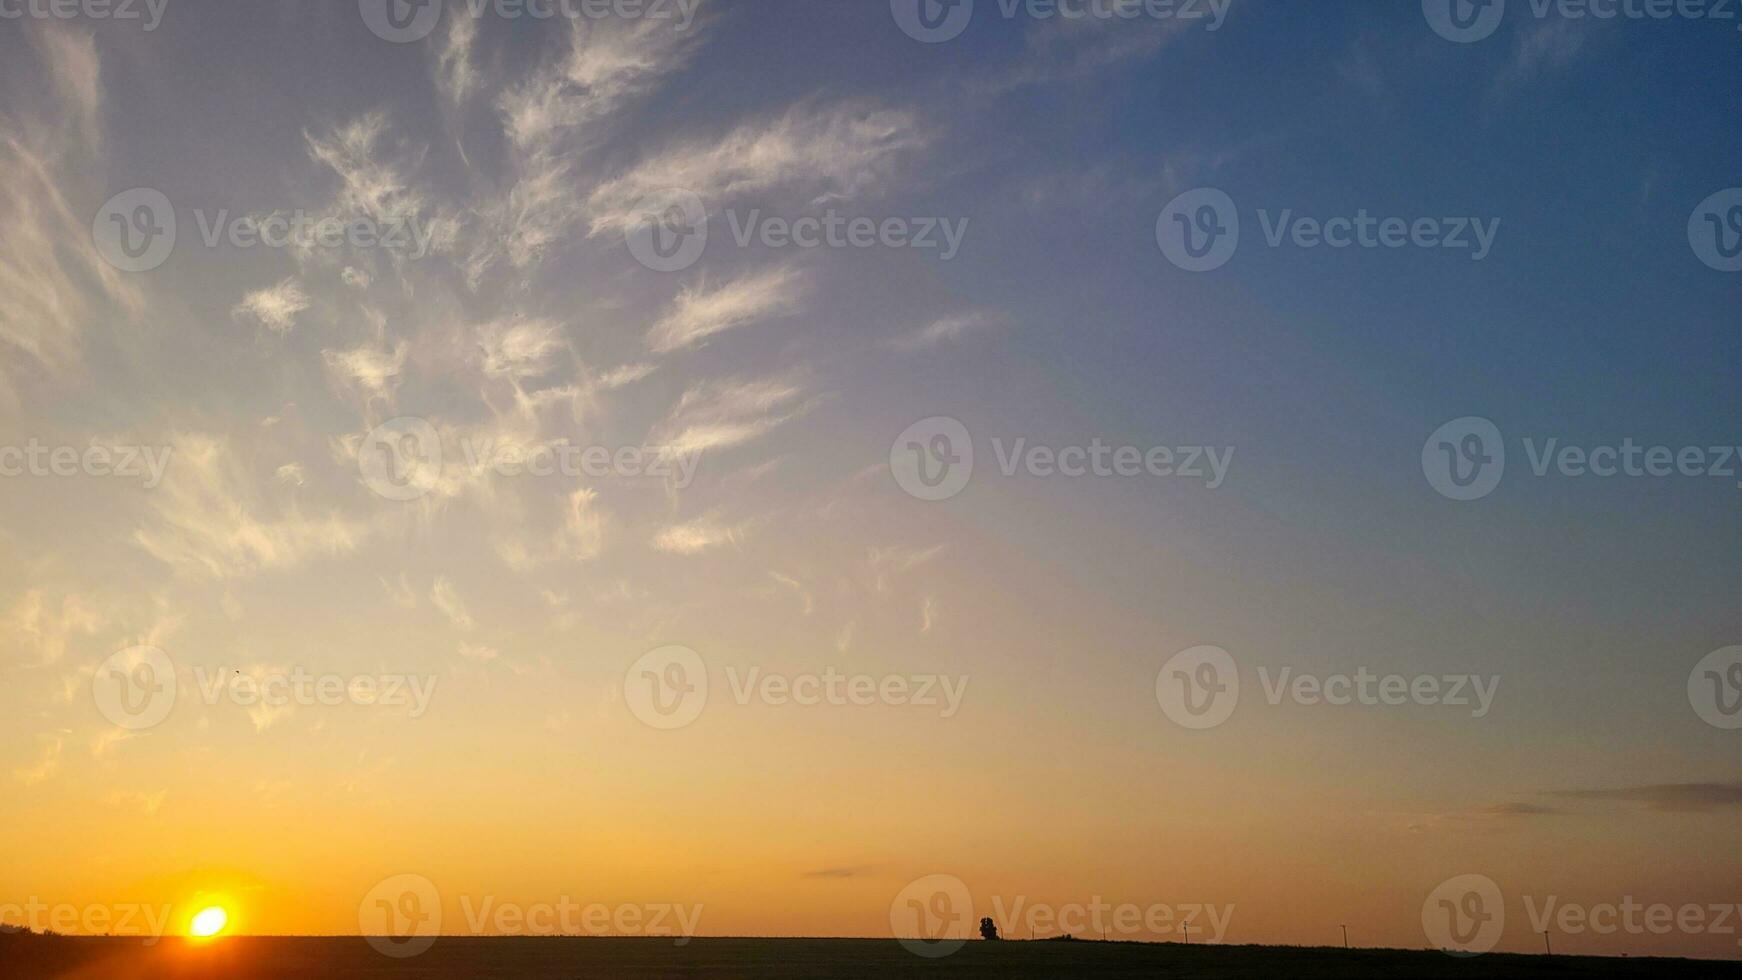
pixel 275 307
pixel 697 536
pixel 53 283
pixel 210 519
pixel 721 415
pixel 828 153
pixel 946 330
pixel 700 312
pixel 370 369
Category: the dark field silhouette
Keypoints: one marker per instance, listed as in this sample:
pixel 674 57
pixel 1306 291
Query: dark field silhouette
pixel 43 958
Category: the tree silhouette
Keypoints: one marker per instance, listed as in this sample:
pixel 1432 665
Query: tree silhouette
pixel 988 928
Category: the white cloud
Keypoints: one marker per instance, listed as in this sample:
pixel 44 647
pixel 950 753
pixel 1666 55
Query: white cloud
pixel 208 519
pixel 372 370
pixel 721 415
pixel 945 330
pixel 694 537
pixel 700 313
pixel 584 525
pixel 834 153
pixel 445 598
pixel 274 307
pixel 517 349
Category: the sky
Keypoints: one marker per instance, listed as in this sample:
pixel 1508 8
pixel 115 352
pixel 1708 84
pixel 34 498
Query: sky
pixel 485 380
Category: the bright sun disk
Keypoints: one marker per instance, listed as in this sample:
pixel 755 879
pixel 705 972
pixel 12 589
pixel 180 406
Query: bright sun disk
pixel 210 922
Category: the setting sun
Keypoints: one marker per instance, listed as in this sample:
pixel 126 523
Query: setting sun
pixel 209 922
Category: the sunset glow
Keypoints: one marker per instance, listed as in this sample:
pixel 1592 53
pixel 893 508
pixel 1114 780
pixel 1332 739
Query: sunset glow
pixel 856 468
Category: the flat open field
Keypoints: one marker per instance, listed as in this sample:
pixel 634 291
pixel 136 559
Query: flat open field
pixel 567 959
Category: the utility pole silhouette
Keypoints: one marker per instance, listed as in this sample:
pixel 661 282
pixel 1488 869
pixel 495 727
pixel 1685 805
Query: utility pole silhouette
pixel 1345 937
pixel 1545 943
